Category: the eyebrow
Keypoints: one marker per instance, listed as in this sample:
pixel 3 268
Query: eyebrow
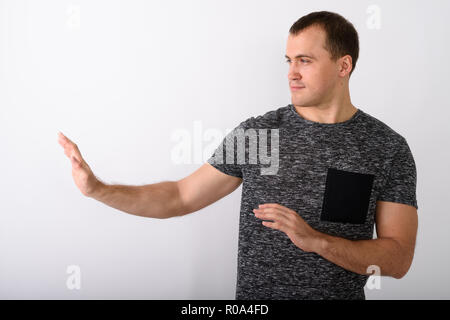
pixel 300 56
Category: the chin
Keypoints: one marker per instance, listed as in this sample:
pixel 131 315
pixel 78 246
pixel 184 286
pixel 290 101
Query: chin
pixel 301 103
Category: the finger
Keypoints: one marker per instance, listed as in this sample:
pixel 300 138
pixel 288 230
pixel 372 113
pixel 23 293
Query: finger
pixel 270 225
pixel 270 205
pixel 274 205
pixel 77 152
pixel 73 159
pixel 273 218
pixel 67 152
pixel 62 140
pixel 274 213
pixel 75 162
pixel 289 212
pixel 70 153
pixel 274 225
pixel 278 218
pixel 70 148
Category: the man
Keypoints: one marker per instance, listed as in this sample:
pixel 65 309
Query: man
pixel 306 231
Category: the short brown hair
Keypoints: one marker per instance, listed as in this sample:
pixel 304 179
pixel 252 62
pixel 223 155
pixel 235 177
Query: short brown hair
pixel 342 37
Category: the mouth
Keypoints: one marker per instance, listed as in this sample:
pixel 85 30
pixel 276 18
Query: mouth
pixel 296 88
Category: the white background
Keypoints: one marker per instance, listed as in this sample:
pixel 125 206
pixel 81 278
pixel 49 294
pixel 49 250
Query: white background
pixel 119 78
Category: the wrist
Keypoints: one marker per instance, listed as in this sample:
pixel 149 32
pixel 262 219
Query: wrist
pixel 98 190
pixel 320 243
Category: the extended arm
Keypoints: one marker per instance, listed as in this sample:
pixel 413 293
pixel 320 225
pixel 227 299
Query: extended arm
pixel 160 200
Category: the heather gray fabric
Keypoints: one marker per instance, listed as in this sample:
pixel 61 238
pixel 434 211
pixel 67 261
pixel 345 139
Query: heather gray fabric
pixel 366 155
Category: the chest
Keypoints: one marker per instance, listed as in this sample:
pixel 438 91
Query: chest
pixel 332 186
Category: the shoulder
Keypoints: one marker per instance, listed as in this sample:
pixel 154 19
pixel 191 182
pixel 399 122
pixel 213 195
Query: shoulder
pixel 379 131
pixel 268 119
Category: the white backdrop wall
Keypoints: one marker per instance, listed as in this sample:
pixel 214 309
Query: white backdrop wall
pixel 123 78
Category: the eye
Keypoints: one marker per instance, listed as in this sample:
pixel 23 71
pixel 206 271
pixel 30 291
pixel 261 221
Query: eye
pixel 302 60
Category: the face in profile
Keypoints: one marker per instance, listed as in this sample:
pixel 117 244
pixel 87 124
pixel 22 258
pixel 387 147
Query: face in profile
pixel 311 68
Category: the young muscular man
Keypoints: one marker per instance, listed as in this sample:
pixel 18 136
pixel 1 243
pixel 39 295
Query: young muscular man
pixel 305 232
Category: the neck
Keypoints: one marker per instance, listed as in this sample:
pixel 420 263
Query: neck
pixel 338 109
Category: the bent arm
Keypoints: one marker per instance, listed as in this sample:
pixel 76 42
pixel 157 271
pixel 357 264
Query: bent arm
pixel 392 251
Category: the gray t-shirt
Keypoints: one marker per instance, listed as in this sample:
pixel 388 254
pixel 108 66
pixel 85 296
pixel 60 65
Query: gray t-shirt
pixel 331 175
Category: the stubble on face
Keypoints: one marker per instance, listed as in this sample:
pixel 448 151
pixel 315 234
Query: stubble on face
pixel 318 75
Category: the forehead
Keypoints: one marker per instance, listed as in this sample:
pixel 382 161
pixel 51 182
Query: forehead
pixel 309 41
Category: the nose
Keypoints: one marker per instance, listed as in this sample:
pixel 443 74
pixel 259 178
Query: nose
pixel 294 73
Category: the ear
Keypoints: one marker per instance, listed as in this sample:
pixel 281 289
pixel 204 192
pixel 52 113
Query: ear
pixel 345 65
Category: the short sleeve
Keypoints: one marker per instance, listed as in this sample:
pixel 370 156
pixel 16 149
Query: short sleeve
pixel 226 157
pixel 401 181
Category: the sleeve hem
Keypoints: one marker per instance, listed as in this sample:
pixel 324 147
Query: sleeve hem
pixel 223 170
pixel 407 202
